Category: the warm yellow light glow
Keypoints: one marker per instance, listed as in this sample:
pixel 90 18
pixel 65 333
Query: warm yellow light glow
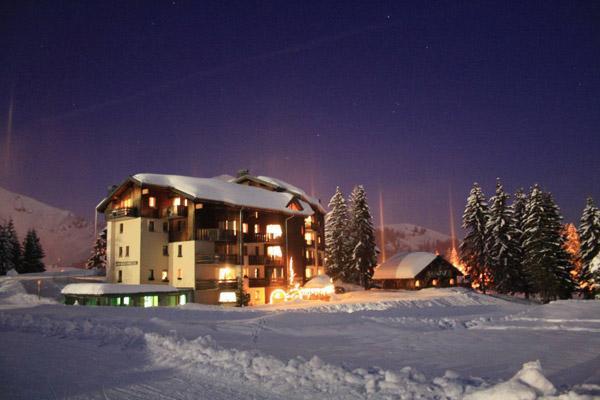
pixel 277 296
pixel 145 191
pixel 274 231
pixel 417 283
pixel 152 202
pixel 308 236
pixel 256 228
pixel 199 206
pixel 164 275
pixel 274 251
pixel 177 201
pixel 308 272
pixel 126 203
pixel 227 297
pixel 292 275
pixel 434 282
pixel 226 274
pixel 308 221
pixel 245 227
pixel 451 281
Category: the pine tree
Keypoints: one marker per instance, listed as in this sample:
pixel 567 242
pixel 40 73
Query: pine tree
pixel 589 233
pixel 15 245
pixel 546 261
pixel 98 257
pixel 501 244
pixel 32 253
pixel 522 282
pixel 362 239
pixel 336 237
pixel 5 252
pixel 572 247
pixel 473 247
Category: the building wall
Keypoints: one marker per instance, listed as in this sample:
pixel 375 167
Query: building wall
pixel 152 257
pixel 182 267
pixel 131 236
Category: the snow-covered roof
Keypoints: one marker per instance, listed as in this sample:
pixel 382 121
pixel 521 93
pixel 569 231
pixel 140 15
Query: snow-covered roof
pixel 318 282
pixel 404 265
pixel 98 289
pixel 278 183
pixel 217 189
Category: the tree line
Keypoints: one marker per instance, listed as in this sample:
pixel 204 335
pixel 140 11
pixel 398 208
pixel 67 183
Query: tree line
pixel 523 247
pixel 350 250
pixel 23 258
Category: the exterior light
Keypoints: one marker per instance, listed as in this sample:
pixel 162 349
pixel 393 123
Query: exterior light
pixel 227 297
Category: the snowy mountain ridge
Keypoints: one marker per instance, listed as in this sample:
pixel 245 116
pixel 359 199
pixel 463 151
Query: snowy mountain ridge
pixel 410 237
pixel 65 237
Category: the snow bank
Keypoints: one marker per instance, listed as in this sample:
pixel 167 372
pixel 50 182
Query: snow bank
pixel 318 282
pixel 12 292
pixel 98 289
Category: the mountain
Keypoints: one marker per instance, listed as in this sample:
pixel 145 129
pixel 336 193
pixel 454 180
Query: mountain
pixel 66 238
pixel 410 237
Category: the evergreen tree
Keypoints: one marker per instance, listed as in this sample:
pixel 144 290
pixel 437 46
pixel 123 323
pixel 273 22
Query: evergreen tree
pixel 501 244
pixel 589 233
pixel 546 261
pixel 5 252
pixel 522 282
pixel 98 257
pixel 32 253
pixel 362 239
pixel 336 237
pixel 13 238
pixel 473 247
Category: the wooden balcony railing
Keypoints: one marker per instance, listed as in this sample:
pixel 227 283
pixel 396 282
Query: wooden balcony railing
pixel 123 213
pixel 217 259
pixel 274 262
pixel 207 284
pixel 216 235
pixel 256 260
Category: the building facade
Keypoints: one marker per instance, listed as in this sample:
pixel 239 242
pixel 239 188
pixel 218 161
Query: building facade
pixel 204 233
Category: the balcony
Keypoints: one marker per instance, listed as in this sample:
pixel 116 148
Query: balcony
pixel 216 235
pixel 217 259
pixel 255 237
pixel 270 239
pixel 207 284
pixel 256 260
pixel 274 262
pixel 122 213
pixel 174 212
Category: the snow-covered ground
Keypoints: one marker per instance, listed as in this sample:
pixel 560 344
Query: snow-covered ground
pixel 434 343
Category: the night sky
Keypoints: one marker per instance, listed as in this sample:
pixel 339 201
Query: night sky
pixel 414 100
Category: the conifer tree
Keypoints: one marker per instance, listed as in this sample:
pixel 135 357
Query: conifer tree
pixel 15 245
pixel 501 244
pixel 362 239
pixel 546 261
pixel 589 234
pixel 32 253
pixel 336 237
pixel 5 252
pixel 522 283
pixel 98 257
pixel 473 246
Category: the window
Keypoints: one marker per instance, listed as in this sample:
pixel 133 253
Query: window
pixel 256 214
pixel 164 276
pixel 179 274
pixel 274 231
pixel 126 251
pixel 151 226
pixel 182 299
pixel 199 206
pixel 152 202
pixel 256 228
pixel 120 252
pixel 165 226
pixel 274 251
pixel 308 236
pixel 256 272
pixel 120 228
pixel 226 274
pixel 185 202
pixel 120 276
pixel 245 227
pixel 165 250
pixel 177 201
pixel 150 274
pixel 126 300
pixel 308 272
pixel 150 301
pixel 179 250
pixel 145 191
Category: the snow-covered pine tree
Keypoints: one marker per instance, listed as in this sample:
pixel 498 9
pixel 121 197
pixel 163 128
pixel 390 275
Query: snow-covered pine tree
pixel 98 257
pixel 501 244
pixel 546 261
pixel 522 283
pixel 589 234
pixel 15 245
pixel 32 253
pixel 6 263
pixel 362 239
pixel 336 236
pixel 472 249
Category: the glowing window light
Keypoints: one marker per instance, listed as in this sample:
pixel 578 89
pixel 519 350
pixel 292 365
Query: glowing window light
pixel 277 296
pixel 245 227
pixel 274 231
pixel 417 283
pixel 152 202
pixel 274 251
pixel 308 236
pixel 434 282
pixel 177 201
pixel 451 281
pixel 126 301
pixel 182 299
pixel 148 301
pixel 226 274
pixel 256 228
pixel 227 297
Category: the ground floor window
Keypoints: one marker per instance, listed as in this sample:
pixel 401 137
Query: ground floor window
pixel 150 301
pixel 182 299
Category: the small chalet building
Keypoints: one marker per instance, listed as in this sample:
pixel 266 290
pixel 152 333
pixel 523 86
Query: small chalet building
pixel 415 271
pixel 204 233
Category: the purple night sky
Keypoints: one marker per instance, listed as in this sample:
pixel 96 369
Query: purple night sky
pixel 414 99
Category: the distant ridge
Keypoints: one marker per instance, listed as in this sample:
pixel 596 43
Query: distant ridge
pixel 66 238
pixel 410 237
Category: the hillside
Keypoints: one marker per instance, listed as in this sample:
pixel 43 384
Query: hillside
pixel 65 237
pixel 410 237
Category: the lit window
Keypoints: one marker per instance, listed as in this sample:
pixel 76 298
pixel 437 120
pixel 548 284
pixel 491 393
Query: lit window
pixel 145 191
pixel 434 282
pixel 150 301
pixel 177 201
pixel 308 272
pixel 308 236
pixel 185 202
pixel 255 214
pixel 256 228
pixel 256 272
pixel 234 225
pixel 226 274
pixel 451 281
pixel 245 227
pixel 126 301
pixel 227 297
pixel 308 221
pixel 164 276
pixel 417 283
pixel 152 202
pixel 274 231
pixel 199 206
pixel 182 299
pixel 274 251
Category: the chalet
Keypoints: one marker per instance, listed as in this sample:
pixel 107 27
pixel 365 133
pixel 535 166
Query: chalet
pixel 202 234
pixel 415 271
